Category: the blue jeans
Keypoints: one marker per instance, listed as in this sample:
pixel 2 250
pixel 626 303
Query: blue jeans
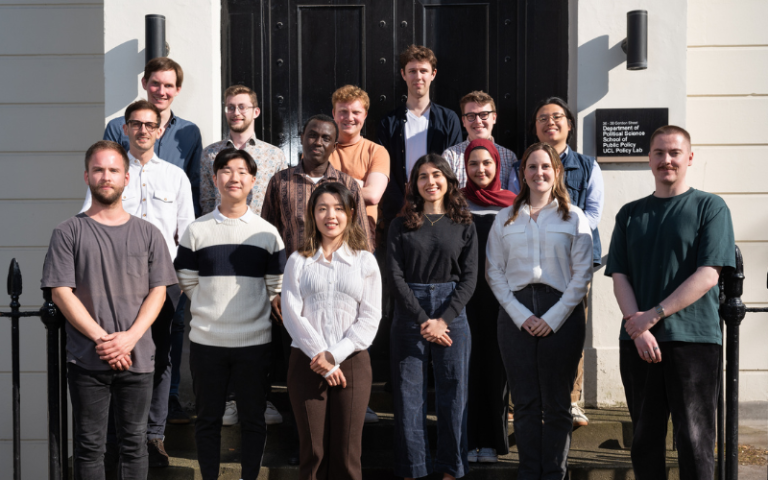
pixel 410 354
pixel 177 345
pixel 541 372
pixel 91 392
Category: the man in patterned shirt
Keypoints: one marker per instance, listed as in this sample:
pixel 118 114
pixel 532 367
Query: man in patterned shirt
pixel 478 115
pixel 241 108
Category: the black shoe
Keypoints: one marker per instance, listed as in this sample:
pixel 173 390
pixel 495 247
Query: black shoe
pixel 157 455
pixel 111 457
pixel 176 414
pixel 293 457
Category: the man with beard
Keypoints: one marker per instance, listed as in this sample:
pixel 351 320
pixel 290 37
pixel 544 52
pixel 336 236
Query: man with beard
pixel 241 109
pixel 161 194
pixel 108 272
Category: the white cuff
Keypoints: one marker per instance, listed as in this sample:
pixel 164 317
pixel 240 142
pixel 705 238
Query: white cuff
pixel 331 371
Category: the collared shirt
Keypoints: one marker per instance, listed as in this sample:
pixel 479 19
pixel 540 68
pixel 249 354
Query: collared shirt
pixel 245 218
pixel 269 159
pixel 332 306
pixel 551 250
pixel 286 200
pixel 181 145
pixel 455 157
pixel 160 193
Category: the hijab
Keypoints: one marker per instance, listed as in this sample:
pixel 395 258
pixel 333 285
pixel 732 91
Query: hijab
pixel 493 194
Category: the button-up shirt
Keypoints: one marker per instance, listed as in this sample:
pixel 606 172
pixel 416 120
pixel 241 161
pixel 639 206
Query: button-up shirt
pixel 181 145
pixel 551 250
pixel 160 193
pixel 332 306
pixel 285 203
pixel 455 157
pixel 269 160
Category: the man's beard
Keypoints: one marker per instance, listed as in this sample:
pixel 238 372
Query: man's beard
pixel 106 200
pixel 246 124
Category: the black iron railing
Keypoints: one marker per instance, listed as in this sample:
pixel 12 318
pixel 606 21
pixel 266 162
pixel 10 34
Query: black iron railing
pixel 57 387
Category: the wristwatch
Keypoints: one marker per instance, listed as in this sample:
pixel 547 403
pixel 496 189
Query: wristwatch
pixel 660 310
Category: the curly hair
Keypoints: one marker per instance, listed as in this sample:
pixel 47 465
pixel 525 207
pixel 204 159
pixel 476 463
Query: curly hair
pixel 350 93
pixel 353 235
pixel 454 203
pixel 559 191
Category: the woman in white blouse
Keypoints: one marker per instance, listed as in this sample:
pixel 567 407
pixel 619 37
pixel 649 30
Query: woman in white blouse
pixel 539 263
pixel 331 305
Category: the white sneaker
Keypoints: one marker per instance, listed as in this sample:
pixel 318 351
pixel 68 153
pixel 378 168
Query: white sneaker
pixel 230 414
pixel 487 455
pixel 579 417
pixel 370 416
pixel 472 456
pixel 271 415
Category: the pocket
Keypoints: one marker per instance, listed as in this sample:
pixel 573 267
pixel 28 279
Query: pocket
pixel 515 241
pixel 558 241
pixel 137 264
pixel 163 196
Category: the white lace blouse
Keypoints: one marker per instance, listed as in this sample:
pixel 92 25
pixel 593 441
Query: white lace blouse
pixel 332 306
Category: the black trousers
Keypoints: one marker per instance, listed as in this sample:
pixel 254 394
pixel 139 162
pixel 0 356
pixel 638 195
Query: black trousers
pixel 685 383
pixel 212 368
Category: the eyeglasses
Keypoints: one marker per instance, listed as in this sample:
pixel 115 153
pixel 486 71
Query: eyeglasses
pixel 136 125
pixel 483 115
pixel 556 117
pixel 234 108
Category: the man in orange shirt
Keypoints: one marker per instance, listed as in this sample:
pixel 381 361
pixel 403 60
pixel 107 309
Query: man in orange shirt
pixel 360 158
pixel 365 161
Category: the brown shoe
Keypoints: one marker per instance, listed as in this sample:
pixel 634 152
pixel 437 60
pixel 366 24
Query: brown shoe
pixel 157 455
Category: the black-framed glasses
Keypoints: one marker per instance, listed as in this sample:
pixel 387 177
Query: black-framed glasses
pixel 234 108
pixel 483 115
pixel 136 125
pixel 555 117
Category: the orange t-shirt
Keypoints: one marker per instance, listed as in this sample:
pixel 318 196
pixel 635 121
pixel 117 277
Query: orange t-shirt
pixel 358 160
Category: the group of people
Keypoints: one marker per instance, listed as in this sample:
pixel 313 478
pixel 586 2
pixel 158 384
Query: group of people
pixel 482 261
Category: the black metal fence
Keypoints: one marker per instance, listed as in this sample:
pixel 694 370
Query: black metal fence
pixel 732 312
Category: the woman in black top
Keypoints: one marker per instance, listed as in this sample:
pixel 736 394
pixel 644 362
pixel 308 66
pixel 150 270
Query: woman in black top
pixel 432 263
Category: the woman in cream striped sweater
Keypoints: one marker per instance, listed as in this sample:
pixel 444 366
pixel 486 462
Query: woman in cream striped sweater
pixel 331 304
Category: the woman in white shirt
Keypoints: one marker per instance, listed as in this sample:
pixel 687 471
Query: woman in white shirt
pixel 331 305
pixel 539 263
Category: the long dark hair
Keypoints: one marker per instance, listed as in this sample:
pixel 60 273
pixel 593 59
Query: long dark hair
pixel 353 235
pixel 559 191
pixel 454 204
pixel 568 116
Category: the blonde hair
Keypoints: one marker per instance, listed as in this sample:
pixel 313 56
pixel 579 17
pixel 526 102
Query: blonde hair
pixel 238 90
pixel 350 93
pixel 559 192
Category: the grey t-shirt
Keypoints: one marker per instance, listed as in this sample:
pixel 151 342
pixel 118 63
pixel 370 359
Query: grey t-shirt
pixel 111 269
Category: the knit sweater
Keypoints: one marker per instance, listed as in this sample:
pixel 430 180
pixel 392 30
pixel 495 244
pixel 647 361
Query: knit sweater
pixel 230 269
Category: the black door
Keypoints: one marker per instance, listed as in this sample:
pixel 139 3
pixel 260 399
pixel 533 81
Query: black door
pixel 294 54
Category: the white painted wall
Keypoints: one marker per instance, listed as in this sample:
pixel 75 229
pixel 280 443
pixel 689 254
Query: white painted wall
pixel 51 110
pixel 604 82
pixel 193 32
pixel 727 117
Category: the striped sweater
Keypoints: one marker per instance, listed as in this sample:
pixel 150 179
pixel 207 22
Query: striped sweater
pixel 230 269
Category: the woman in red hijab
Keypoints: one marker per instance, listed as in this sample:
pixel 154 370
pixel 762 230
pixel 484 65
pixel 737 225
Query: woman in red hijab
pixel 487 405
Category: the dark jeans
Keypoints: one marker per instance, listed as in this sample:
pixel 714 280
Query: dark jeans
pixel 212 368
pixel 541 372
pixel 177 344
pixel 161 383
pixel 90 392
pixel 685 383
pixel 410 354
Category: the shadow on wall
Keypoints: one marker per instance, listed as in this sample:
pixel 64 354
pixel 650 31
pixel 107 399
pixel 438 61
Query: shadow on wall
pixel 122 64
pixel 598 59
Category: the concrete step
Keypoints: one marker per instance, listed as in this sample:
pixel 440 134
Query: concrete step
pixel 599 464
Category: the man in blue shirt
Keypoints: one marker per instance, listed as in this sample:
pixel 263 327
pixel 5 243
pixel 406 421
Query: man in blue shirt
pixel 180 143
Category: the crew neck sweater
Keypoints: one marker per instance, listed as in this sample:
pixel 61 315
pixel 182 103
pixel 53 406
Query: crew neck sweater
pixel 440 253
pixel 230 269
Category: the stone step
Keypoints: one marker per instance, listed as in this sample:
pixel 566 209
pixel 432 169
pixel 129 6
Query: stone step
pixel 599 464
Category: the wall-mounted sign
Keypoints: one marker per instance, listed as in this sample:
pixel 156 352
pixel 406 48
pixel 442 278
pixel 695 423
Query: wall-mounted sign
pixel 624 134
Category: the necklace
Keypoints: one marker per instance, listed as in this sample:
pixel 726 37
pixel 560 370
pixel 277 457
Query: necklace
pixel 426 215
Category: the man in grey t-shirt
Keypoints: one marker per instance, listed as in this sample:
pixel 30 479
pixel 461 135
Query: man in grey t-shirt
pixel 108 272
